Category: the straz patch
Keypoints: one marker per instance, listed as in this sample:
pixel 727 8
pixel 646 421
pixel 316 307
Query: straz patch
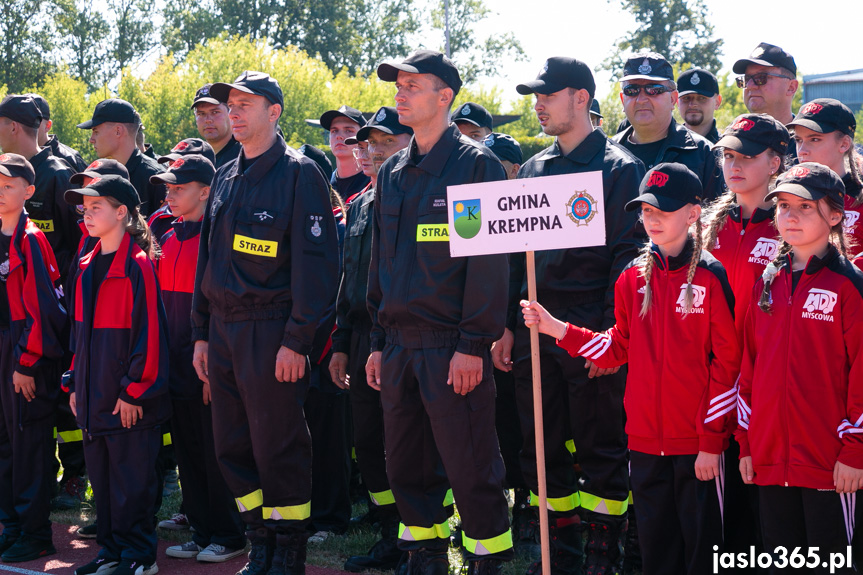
pixel 433 233
pixel 44 225
pixel 255 247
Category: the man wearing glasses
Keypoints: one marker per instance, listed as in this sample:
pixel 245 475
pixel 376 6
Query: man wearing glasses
pixel 649 95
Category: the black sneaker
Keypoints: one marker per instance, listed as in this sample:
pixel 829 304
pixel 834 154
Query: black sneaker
pixel 99 565
pixel 127 567
pixel 88 531
pixel 7 541
pixel 27 549
pixel 72 492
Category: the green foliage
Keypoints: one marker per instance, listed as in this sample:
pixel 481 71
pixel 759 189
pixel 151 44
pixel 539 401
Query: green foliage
pixel 70 106
pixel 133 33
pixel 85 31
pixel 25 29
pixel 858 135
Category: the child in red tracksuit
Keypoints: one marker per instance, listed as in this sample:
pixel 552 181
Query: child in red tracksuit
pixel 31 322
pixel 219 533
pixel 800 404
pixel 675 327
pixel 118 379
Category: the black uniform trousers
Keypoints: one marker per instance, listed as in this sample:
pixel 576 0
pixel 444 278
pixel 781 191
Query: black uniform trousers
pixel 327 410
pixel 368 422
pixel 122 470
pixel 207 501
pixel 679 517
pixel 800 517
pixel 26 449
pixel 741 521
pixel 262 440
pixel 575 407
pixel 508 428
pixel 427 423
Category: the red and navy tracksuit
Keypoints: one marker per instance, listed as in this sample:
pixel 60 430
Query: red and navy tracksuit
pixel 207 500
pixel 674 409
pixel 121 352
pixel 30 343
pixel 853 213
pixel 800 404
pixel 744 248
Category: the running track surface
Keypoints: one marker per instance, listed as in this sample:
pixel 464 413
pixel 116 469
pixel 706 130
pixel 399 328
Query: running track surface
pixel 73 552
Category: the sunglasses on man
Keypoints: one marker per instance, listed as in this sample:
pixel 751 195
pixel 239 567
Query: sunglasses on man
pixel 632 90
pixel 758 79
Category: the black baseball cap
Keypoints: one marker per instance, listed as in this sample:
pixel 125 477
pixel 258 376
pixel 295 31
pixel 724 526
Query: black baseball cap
pixel 505 147
pixel 256 83
pixel 43 105
pixel 22 109
pixel 351 114
pixel 648 66
pixel 203 96
pixel 190 146
pixel 766 55
pixel 594 108
pixel 668 187
pixel 423 62
pixel 112 110
pixel 697 81
pixel 751 134
pixel 558 73
pixel 17 166
pixel 386 120
pixel 185 169
pixel 473 113
pixel 826 115
pixel 99 168
pixel 809 181
pixel 320 158
pixel 115 187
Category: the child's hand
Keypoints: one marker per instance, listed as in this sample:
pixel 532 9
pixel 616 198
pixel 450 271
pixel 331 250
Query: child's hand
pixel 847 479
pixel 129 414
pixel 746 470
pixel 706 465
pixel 72 404
pixel 535 314
pixel 25 385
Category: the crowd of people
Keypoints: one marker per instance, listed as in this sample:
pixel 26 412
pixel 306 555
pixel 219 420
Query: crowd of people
pixel 702 375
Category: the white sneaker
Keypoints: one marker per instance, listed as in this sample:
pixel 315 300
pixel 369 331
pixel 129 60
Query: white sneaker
pixel 187 550
pixel 178 522
pixel 215 553
pixel 320 537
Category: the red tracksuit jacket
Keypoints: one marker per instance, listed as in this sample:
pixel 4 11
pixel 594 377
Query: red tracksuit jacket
pixel 800 404
pixel 744 253
pixel 853 213
pixel 120 344
pixel 680 391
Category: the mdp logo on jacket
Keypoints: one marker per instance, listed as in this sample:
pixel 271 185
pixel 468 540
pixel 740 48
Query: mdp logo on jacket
pixel 468 218
pixel 851 218
pixel 764 251
pixel 819 304
pixel 698 295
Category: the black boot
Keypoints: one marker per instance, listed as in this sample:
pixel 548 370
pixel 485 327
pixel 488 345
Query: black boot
pixel 428 562
pixel 260 553
pixel 485 567
pixel 525 526
pixel 565 547
pixel 385 554
pixel 631 550
pixel 289 556
pixel 604 553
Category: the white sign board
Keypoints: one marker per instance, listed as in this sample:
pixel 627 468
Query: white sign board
pixel 531 214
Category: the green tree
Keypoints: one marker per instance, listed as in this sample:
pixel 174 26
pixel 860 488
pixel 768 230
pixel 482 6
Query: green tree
pixel 84 31
pixel 680 30
pixel 187 24
pixel 133 31
pixel 25 41
pixel 70 105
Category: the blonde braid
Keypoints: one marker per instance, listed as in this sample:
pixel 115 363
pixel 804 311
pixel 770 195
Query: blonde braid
pixel 715 218
pixel 693 266
pixel 646 270
pixel 776 264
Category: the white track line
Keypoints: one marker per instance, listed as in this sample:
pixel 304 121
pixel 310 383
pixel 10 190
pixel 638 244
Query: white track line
pixel 11 569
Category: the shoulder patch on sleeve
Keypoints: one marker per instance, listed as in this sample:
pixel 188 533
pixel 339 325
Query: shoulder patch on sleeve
pixel 315 228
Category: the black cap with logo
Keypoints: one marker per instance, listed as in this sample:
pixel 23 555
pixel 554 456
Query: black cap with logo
pixel 697 81
pixel 203 96
pixel 558 73
pixel 668 187
pixel 825 115
pixel 473 113
pixel 648 66
pixel 22 109
pixel 809 181
pixel 185 169
pixel 256 83
pixel 386 120
pixel 766 55
pixel 99 168
pixel 189 146
pixel 423 62
pixel 351 114
pixel 17 166
pixel 505 147
pixel 751 134
pixel 112 110
pixel 115 187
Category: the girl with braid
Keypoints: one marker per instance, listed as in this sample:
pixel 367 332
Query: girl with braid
pixel 800 402
pixel 675 327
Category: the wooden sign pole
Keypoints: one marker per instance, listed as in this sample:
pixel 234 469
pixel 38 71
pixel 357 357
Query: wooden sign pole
pixel 537 421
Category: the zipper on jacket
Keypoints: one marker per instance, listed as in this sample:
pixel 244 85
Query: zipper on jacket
pixel 661 318
pixel 788 316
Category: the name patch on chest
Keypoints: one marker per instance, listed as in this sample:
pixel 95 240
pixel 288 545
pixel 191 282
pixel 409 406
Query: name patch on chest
pixel 255 247
pixel 433 233
pixel 44 225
